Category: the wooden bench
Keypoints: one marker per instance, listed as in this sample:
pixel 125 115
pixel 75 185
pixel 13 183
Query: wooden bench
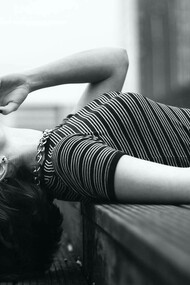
pixel 132 244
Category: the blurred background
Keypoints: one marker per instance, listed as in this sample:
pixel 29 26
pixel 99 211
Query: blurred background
pixel 156 35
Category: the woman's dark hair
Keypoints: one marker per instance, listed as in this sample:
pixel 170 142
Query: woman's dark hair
pixel 30 230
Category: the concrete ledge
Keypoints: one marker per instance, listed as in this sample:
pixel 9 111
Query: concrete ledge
pixel 149 241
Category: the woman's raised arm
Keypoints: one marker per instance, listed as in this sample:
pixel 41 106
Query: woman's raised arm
pixel 105 69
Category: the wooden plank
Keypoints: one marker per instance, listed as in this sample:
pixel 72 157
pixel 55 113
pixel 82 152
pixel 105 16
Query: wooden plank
pixel 155 236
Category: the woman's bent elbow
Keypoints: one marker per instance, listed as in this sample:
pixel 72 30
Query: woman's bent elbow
pixel 121 67
pixel 123 60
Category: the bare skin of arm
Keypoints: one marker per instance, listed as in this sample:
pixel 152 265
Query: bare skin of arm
pixel 141 181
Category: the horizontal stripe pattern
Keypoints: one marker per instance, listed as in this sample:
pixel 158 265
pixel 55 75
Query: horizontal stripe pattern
pixel 83 152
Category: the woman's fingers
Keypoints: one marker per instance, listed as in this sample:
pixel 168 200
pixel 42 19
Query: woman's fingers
pixel 10 107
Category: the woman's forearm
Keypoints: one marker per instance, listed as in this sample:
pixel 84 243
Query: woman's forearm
pixel 140 181
pixel 90 66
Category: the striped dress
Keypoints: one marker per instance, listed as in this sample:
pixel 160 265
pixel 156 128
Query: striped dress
pixel 82 153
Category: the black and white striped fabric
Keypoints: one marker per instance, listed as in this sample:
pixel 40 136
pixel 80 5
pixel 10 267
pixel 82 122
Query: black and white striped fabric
pixel 82 154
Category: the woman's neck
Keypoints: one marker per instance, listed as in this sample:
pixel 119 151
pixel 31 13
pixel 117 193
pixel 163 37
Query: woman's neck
pixel 22 146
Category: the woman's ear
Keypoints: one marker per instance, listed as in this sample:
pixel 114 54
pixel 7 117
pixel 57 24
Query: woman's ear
pixel 3 167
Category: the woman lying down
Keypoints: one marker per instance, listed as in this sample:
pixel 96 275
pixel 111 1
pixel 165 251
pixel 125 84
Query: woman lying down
pixel 115 148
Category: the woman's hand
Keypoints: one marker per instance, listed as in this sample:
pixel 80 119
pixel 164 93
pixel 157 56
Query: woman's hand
pixel 13 91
